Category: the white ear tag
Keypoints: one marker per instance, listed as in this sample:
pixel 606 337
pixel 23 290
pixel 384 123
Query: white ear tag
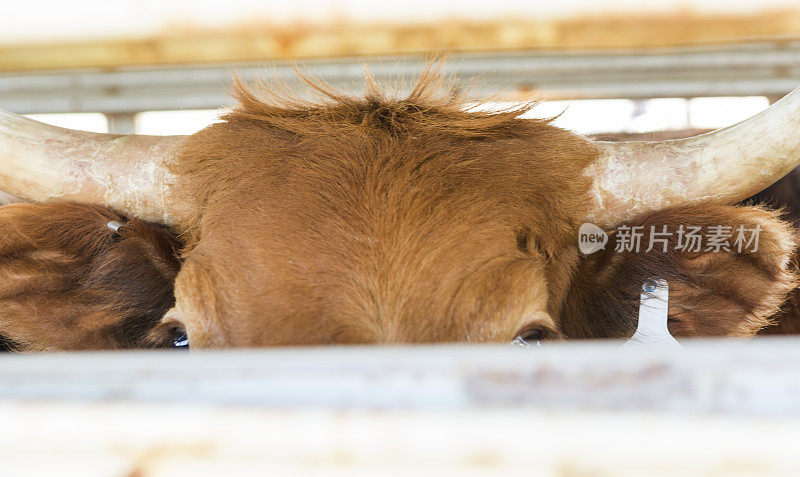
pixel 653 307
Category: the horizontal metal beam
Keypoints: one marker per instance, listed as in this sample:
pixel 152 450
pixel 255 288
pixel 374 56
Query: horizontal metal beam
pixel 257 31
pixel 112 439
pixel 770 68
pixel 755 378
pixel 711 408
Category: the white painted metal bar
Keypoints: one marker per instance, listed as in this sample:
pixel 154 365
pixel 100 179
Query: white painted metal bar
pixel 755 378
pixel 770 68
pixel 121 123
pixel 712 408
pixel 114 440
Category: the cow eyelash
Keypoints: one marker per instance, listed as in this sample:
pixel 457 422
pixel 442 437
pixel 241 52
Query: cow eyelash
pixel 530 337
pixel 180 340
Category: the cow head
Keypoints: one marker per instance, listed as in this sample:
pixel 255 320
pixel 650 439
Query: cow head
pixel 378 220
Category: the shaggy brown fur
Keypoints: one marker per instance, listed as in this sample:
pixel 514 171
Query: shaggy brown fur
pixel 372 220
pixel 68 282
pixel 711 293
pixel 784 194
pixel 788 319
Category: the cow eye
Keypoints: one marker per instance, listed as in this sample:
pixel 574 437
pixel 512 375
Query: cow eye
pixel 530 337
pixel 180 339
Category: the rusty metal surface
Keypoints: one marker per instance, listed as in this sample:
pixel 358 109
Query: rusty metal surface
pixel 270 31
pixel 758 378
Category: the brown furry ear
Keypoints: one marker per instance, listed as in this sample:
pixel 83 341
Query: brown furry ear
pixel 68 282
pixel 787 320
pixel 712 292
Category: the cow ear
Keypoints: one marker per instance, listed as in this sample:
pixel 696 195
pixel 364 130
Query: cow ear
pixel 70 281
pixel 723 288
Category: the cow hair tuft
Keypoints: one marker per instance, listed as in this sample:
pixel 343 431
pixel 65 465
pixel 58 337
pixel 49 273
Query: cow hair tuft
pixel 434 103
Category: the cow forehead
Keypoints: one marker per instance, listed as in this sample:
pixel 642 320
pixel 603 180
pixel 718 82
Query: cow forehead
pixel 364 238
pixel 369 172
pixel 360 196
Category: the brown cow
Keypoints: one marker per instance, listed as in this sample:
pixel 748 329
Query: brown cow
pixel 378 220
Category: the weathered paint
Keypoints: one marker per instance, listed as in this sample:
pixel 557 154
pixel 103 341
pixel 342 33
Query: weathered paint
pixel 712 408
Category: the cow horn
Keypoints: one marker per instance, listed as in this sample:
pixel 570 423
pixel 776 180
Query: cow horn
pixel 723 166
pixel 39 162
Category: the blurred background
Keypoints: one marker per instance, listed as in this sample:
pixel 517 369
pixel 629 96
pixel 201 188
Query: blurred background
pixel 614 68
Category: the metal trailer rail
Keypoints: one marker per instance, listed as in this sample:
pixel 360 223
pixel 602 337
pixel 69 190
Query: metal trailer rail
pixel 712 408
pixel 769 68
